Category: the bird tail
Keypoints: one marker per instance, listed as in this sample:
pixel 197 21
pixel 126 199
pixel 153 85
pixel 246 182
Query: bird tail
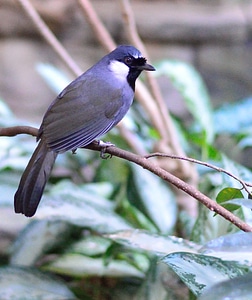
pixel 33 180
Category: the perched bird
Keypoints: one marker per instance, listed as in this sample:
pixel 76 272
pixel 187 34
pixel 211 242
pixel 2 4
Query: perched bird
pixel 86 109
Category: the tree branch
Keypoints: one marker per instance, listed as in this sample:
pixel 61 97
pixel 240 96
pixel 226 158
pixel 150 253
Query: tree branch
pixel 152 167
pixel 15 130
pixel 218 169
pixel 175 181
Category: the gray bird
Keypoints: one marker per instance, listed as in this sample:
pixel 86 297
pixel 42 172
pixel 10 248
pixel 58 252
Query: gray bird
pixel 86 109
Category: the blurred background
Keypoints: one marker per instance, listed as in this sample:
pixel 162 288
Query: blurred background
pixel 86 196
pixel 213 35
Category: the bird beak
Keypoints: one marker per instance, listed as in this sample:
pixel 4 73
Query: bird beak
pixel 146 67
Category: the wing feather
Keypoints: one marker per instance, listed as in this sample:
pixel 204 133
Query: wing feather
pixel 84 111
pixel 78 139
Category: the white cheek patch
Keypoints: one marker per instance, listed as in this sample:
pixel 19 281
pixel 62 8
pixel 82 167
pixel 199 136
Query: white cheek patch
pixel 119 69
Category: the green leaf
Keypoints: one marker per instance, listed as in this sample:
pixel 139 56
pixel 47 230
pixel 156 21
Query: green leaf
pixel 227 194
pixel 199 271
pixel 235 247
pixel 29 284
pixel 191 86
pixel 14 152
pixel 37 238
pixel 152 196
pixel 241 202
pixel 238 288
pixel 89 246
pixel 135 258
pixel 134 216
pixel 242 173
pixel 118 169
pixel 76 205
pixel 153 286
pixel 209 226
pixel 158 244
pixel 80 265
pixel 96 193
pixel 240 114
pixel 8 187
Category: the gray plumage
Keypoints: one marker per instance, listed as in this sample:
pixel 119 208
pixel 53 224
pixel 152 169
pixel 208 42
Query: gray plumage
pixel 86 109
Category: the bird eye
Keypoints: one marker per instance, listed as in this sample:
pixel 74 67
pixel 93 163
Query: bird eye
pixel 128 60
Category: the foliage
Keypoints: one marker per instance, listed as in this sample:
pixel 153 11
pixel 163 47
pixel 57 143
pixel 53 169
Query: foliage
pixel 123 225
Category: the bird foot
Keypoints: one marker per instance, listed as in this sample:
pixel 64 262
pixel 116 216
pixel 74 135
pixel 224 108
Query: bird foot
pixel 103 146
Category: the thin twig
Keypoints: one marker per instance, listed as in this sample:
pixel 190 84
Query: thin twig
pixel 175 181
pixel 154 168
pixel 199 162
pixel 50 37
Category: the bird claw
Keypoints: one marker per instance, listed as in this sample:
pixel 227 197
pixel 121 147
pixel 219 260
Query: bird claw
pixel 103 146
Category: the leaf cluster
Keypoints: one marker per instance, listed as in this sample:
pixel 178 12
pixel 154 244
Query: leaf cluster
pixel 112 219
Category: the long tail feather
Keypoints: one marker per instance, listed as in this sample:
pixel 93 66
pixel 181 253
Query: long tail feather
pixel 33 180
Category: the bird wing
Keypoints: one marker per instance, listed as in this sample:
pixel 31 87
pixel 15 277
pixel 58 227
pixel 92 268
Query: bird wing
pixel 85 110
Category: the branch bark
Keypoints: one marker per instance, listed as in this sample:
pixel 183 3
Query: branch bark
pixel 152 167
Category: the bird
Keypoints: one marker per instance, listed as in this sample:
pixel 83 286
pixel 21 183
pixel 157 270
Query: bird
pixel 85 110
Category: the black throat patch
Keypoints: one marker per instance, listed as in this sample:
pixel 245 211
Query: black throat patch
pixel 134 71
pixel 132 76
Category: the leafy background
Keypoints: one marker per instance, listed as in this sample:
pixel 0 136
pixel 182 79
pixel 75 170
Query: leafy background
pixel 107 229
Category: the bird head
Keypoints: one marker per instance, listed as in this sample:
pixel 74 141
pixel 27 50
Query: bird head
pixel 127 63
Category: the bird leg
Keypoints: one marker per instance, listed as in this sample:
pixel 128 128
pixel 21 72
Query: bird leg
pixel 104 146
